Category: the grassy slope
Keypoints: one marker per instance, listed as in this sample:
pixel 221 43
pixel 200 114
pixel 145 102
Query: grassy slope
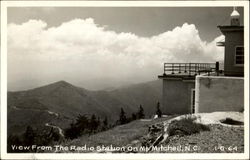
pixel 118 136
pixel 229 137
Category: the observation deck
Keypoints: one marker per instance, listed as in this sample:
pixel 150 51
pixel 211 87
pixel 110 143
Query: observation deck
pixel 187 71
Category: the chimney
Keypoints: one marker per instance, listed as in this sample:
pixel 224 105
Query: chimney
pixel 235 18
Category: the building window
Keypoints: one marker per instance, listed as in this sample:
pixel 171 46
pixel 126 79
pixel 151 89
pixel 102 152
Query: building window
pixel 239 56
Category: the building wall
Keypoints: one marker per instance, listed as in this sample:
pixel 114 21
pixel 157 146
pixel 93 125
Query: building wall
pixel 219 94
pixel 232 39
pixel 177 96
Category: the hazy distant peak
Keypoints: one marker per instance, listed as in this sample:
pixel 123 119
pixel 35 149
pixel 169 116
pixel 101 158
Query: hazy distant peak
pixel 62 82
pixel 56 86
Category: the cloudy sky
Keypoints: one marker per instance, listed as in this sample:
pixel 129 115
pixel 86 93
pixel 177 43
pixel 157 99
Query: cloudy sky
pixel 98 48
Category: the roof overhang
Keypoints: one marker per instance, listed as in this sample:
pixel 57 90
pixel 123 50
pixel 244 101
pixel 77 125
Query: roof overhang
pixel 231 28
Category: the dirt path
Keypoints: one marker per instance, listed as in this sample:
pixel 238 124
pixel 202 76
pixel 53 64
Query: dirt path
pixel 56 127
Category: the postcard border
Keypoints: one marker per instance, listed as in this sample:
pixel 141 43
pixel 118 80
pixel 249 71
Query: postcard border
pixel 6 4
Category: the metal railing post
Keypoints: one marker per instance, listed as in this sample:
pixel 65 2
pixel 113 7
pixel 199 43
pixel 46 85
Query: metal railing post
pixel 189 69
pixel 172 68
pixel 179 68
pixel 217 65
pixel 164 69
pixel 195 68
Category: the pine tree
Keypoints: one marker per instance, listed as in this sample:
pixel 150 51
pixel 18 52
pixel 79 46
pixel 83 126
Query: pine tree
pixel 133 116
pixel 158 110
pixel 105 124
pixel 73 131
pixel 82 123
pixel 93 123
pixel 98 122
pixel 141 112
pixel 29 136
pixel 123 118
pixel 13 140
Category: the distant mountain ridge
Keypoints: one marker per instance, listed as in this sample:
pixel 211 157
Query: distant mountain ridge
pixel 60 103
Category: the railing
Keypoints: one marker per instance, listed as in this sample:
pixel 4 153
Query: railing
pixel 190 68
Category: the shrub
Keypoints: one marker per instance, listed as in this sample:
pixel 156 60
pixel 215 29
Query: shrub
pixel 140 113
pixel 13 140
pixel 42 136
pixel 85 125
pixel 185 126
pixel 158 110
pixel 75 130
pixel 29 136
pixel 123 118
pixel 105 124
pixel 133 116
pixel 72 132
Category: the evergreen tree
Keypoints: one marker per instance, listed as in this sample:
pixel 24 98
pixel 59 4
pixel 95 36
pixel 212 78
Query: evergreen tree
pixel 82 123
pixel 158 110
pixel 93 123
pixel 77 128
pixel 134 116
pixel 29 136
pixel 141 113
pixel 72 132
pixel 47 136
pixel 13 140
pixel 98 122
pixel 54 135
pixel 105 124
pixel 123 118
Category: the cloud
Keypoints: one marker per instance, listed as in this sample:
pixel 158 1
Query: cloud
pixel 81 50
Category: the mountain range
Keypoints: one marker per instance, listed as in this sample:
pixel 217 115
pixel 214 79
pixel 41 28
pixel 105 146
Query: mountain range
pixel 61 102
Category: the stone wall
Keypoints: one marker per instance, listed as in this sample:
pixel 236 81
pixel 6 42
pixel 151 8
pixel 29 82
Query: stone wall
pixel 217 93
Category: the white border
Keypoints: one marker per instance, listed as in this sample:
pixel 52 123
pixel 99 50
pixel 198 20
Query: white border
pixel 5 4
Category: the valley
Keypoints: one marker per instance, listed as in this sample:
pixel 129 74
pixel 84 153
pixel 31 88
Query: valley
pixel 60 103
